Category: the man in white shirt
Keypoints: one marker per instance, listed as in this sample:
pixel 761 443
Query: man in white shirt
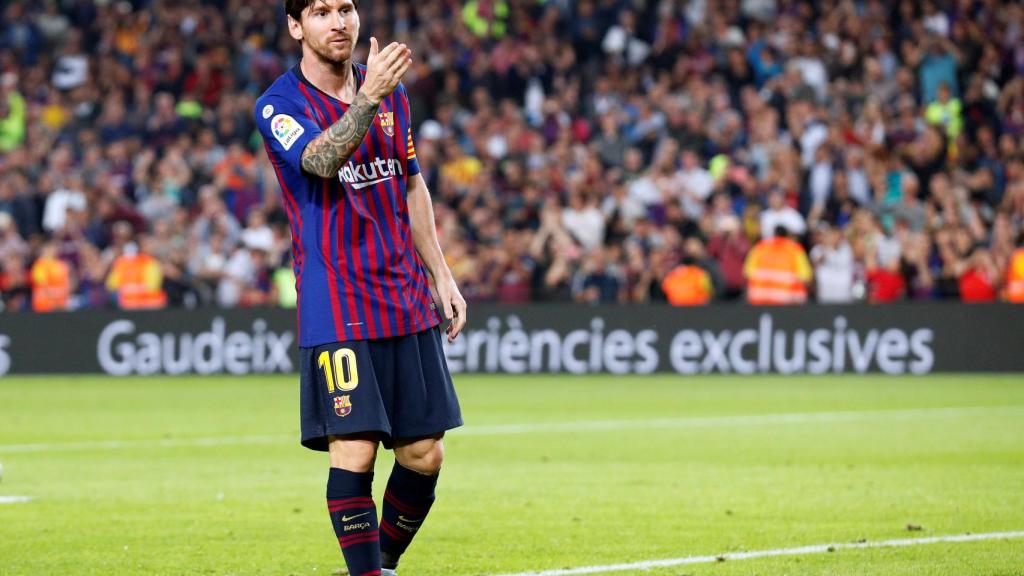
pixel 779 214
pixel 696 185
pixel 833 267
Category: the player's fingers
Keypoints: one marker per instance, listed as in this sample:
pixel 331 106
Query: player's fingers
pixel 393 57
pixel 403 66
pixel 446 299
pixel 374 50
pixel 460 318
pixel 382 60
pixel 401 54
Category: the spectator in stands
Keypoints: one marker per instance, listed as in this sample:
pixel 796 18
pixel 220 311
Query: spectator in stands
pixel 780 215
pixel 729 247
pixel 777 271
pixel 136 280
pixel 11 243
pixel 688 284
pixel 51 281
pixel 597 282
pixel 13 121
pixel 980 278
pixel 671 120
pixel 834 267
pixel 1015 274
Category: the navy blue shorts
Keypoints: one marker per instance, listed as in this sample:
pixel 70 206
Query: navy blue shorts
pixel 399 387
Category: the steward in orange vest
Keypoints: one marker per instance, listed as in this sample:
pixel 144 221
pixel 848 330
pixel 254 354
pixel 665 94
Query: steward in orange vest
pixel 687 285
pixel 51 281
pixel 137 281
pixel 1015 277
pixel 777 271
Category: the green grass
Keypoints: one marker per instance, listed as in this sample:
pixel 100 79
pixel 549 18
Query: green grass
pixel 515 500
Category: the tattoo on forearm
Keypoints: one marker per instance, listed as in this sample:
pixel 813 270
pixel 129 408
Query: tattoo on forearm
pixel 329 151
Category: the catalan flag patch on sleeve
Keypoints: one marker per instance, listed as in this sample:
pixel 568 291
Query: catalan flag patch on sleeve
pixel 410 147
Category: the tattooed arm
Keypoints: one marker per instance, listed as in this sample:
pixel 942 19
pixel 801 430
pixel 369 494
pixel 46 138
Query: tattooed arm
pixel 329 151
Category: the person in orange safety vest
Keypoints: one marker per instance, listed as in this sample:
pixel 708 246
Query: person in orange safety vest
pixel 687 284
pixel 51 281
pixel 1015 275
pixel 137 280
pixel 777 271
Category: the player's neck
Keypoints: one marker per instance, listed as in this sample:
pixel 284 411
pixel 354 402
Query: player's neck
pixel 333 79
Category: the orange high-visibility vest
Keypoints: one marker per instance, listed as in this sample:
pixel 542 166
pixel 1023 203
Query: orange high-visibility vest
pixel 687 286
pixel 777 271
pixel 51 285
pixel 138 282
pixel 1015 278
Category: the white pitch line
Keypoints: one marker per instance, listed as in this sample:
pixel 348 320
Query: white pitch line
pixel 15 499
pixel 151 443
pixel 532 427
pixel 815 549
pixel 714 421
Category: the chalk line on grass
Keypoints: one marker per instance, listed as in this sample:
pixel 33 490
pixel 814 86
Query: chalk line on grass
pixel 534 427
pixel 801 550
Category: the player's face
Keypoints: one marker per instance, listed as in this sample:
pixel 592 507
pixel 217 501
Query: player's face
pixel 329 28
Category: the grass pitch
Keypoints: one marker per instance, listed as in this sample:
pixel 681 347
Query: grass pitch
pixel 204 476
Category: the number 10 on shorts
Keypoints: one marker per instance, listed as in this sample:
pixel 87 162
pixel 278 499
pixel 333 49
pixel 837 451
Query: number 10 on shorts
pixel 340 368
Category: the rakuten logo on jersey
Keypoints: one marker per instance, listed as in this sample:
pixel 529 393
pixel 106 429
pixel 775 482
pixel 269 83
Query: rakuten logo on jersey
pixel 360 176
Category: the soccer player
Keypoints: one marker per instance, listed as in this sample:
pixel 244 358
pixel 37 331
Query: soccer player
pixel 363 238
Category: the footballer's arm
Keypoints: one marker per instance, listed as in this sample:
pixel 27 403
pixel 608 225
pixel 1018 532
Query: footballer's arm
pixel 329 151
pixel 424 238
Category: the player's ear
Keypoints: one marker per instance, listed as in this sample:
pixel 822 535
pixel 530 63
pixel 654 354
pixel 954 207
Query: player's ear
pixel 294 28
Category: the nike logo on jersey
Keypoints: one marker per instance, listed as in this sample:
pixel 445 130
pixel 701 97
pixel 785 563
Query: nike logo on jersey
pixel 369 173
pixel 409 520
pixel 361 185
pixel 350 518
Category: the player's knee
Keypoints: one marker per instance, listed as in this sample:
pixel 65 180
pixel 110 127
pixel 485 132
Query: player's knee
pixel 353 455
pixel 431 461
pixel 424 457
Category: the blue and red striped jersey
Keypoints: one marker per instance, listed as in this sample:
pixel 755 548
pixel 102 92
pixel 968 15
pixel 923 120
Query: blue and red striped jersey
pixel 357 272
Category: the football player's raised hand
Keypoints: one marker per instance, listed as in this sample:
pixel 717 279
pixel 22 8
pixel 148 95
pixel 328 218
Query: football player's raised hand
pixel 385 69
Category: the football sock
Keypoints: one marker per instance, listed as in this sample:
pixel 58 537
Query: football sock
pixel 407 501
pixel 354 516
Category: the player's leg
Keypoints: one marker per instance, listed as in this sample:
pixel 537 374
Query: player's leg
pixel 424 406
pixel 343 414
pixel 350 501
pixel 409 494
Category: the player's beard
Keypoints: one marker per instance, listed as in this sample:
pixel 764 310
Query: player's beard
pixel 333 56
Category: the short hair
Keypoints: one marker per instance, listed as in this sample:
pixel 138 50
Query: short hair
pixel 294 8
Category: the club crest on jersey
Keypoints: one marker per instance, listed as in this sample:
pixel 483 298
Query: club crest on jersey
pixel 387 122
pixel 342 405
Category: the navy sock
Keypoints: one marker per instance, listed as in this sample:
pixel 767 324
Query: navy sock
pixel 407 501
pixel 354 516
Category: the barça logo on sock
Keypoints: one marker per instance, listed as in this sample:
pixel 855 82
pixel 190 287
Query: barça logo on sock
pixel 387 122
pixel 342 405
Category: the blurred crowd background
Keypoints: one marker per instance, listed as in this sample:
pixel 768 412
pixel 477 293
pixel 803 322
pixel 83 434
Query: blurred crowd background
pixel 595 151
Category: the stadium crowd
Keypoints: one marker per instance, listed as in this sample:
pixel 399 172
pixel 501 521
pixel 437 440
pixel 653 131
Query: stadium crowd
pixel 594 151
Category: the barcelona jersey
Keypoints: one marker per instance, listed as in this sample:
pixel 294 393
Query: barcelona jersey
pixel 358 275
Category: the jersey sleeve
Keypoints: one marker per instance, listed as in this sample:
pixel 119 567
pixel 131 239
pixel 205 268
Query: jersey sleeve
pixel 410 146
pixel 413 163
pixel 286 128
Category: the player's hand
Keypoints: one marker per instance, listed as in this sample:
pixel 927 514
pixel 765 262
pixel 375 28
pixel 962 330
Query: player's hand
pixel 385 69
pixel 446 294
